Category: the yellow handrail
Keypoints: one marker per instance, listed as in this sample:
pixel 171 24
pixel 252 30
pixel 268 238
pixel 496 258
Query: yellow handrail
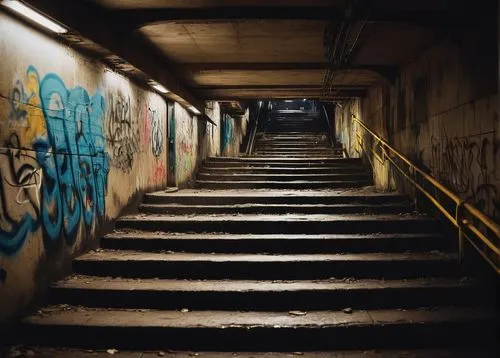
pixel 462 209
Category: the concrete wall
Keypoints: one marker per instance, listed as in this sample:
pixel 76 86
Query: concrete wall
pixel 186 145
pixel 442 113
pixel 79 146
pixel 197 140
pixel 233 131
pixel 213 110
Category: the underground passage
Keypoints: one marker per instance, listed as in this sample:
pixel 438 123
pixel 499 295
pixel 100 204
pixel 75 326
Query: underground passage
pixel 316 178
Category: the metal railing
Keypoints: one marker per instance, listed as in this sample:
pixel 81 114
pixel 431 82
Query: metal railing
pixel 472 224
pixel 328 124
pixel 253 133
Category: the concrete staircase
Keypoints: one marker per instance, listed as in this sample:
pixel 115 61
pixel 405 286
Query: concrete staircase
pixel 295 121
pixel 314 259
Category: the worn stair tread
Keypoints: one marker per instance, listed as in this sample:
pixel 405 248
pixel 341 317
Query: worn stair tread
pixel 305 183
pixel 145 235
pixel 291 206
pixel 278 159
pixel 80 316
pixel 351 192
pixel 297 175
pixel 289 170
pixel 196 286
pixel 42 352
pixel 141 256
pixel 278 217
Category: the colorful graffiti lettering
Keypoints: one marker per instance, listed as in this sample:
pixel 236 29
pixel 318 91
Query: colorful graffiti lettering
pixel 61 177
pixel 121 131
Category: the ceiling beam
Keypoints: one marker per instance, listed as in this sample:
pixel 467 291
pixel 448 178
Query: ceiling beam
pixel 274 87
pixel 101 27
pixel 278 66
pixel 297 92
pixel 387 72
pixel 140 17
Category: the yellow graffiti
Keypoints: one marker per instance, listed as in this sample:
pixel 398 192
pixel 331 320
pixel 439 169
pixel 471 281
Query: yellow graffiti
pixel 26 117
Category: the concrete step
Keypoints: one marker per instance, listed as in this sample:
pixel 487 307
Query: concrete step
pixel 281 129
pixel 252 208
pixel 285 197
pixel 247 295
pixel 298 140
pixel 296 143
pixel 283 177
pixel 276 137
pixel 291 133
pixel 299 143
pixel 138 264
pixel 281 224
pixel 65 352
pixel 299 155
pixel 298 126
pixel 285 161
pixel 307 163
pixel 268 148
pixel 275 243
pixel 212 184
pixel 285 170
pixel 329 151
pixel 291 153
pixel 265 331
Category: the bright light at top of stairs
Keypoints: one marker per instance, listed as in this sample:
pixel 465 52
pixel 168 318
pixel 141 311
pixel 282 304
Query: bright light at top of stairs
pixel 33 15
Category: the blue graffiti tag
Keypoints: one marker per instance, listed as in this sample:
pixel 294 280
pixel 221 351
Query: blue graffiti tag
pixel 227 132
pixel 74 162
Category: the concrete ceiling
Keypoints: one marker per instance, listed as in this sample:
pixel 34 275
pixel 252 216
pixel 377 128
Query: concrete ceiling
pixel 251 49
pixel 156 4
pixel 243 40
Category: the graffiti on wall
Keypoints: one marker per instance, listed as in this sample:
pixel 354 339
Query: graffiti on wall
pixel 152 129
pixel 227 133
pixel 55 164
pixel 156 132
pixel 121 131
pixel 467 166
pixel 186 157
pixel 159 173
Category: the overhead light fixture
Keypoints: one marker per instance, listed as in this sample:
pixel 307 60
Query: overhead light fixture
pixel 159 88
pixel 194 110
pixel 33 15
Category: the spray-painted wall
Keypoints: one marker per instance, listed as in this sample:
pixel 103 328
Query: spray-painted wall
pixel 196 140
pixel 442 113
pixel 233 131
pixel 186 145
pixel 78 145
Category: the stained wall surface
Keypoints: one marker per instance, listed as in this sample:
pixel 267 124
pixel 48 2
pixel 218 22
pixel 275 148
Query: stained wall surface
pixel 233 129
pixel 79 146
pixel 196 140
pixel 442 113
